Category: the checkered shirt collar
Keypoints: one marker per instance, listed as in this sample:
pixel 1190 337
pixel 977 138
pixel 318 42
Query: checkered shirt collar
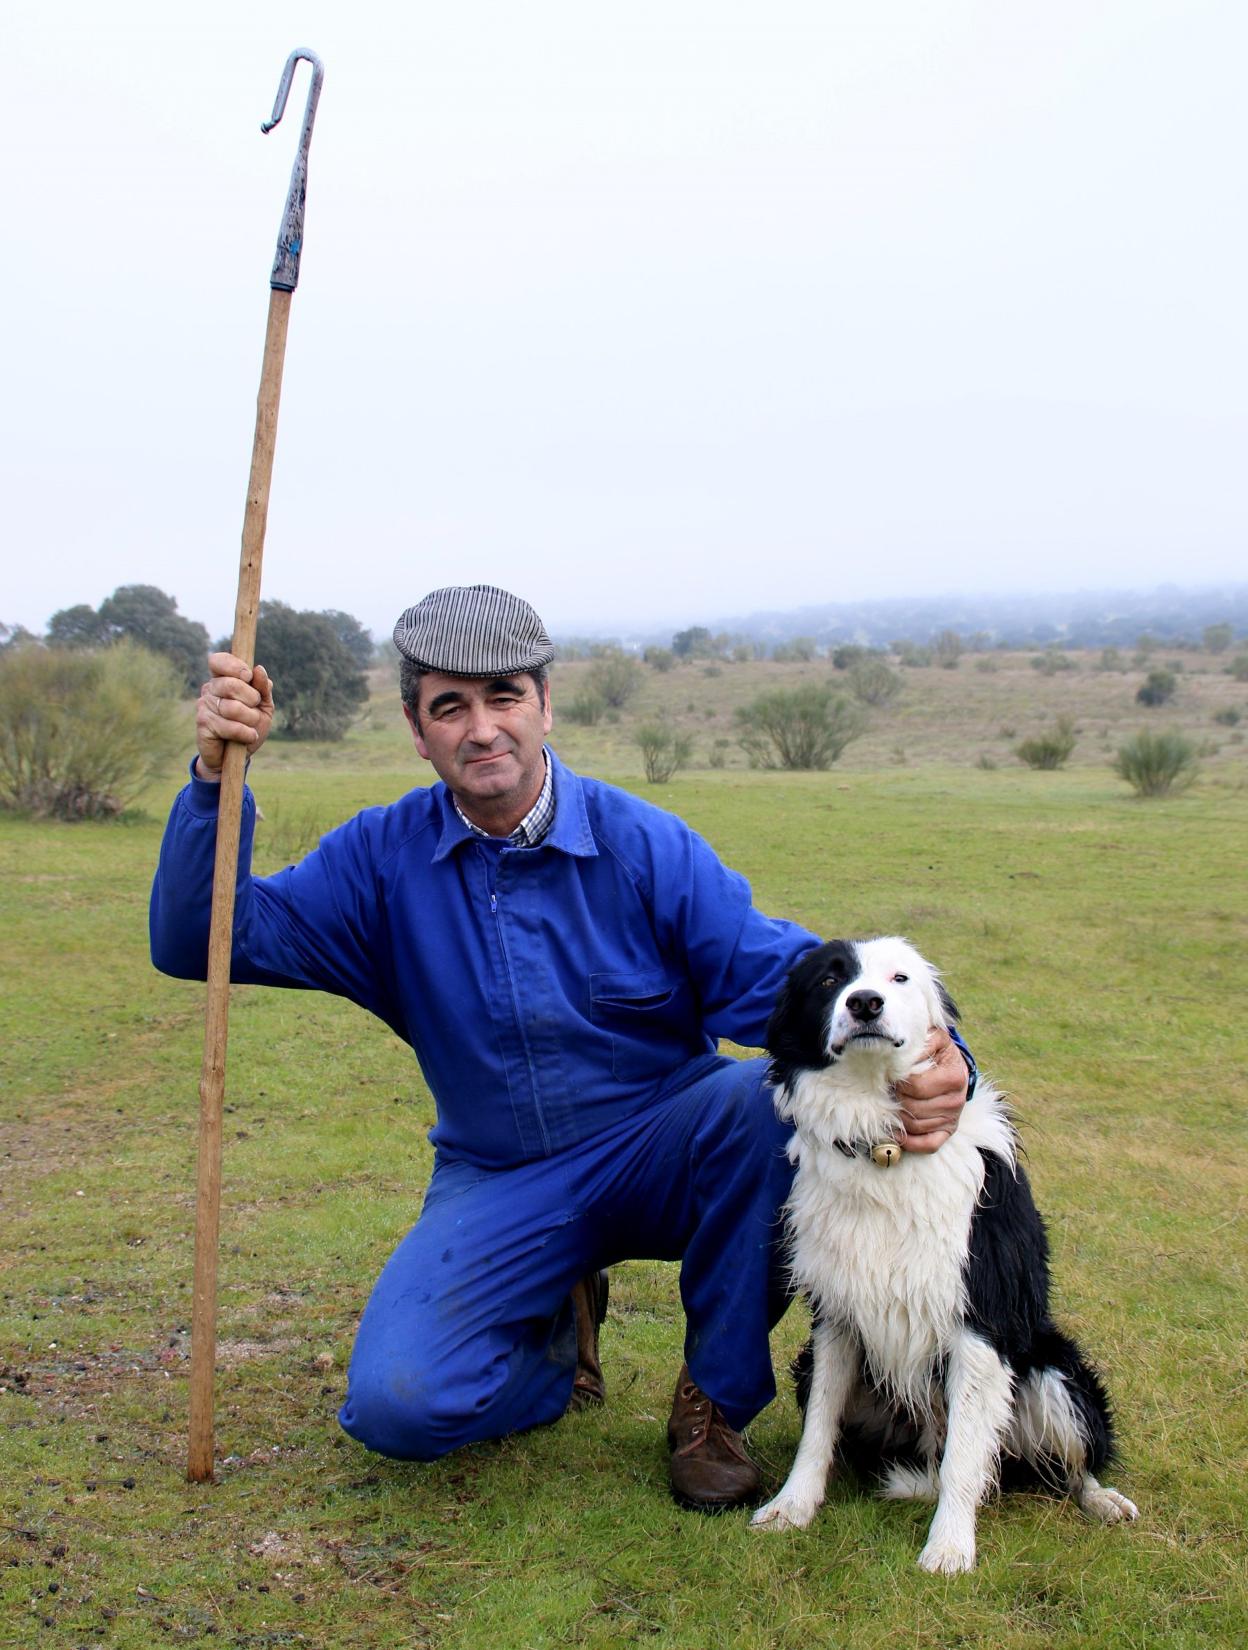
pixel 535 825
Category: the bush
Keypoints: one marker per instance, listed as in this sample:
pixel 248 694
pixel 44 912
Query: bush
pixel 81 732
pixel 1158 688
pixel 1051 661
pixel 614 677
pixel 804 727
pixel 659 658
pixel 1156 763
pixel 872 682
pixel 585 710
pixel 1049 750
pixel 1111 659
pixel 948 648
pixel 662 750
pixel 1227 718
pixel 1238 667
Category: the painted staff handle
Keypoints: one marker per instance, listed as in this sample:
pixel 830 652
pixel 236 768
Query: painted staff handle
pixel 283 281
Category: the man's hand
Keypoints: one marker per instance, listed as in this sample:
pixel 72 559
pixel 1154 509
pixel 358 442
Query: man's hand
pixel 235 705
pixel 933 1097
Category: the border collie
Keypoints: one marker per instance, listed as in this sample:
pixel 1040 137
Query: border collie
pixel 933 1359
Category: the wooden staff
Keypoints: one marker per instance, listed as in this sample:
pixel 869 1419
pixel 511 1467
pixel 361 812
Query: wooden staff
pixel 283 281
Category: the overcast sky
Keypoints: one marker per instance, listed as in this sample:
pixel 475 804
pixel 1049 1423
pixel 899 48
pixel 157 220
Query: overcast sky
pixel 653 312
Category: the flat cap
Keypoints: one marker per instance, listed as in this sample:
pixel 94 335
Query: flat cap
pixel 473 630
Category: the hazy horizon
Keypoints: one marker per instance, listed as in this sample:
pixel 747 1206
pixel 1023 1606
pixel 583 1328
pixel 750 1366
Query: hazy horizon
pixel 693 310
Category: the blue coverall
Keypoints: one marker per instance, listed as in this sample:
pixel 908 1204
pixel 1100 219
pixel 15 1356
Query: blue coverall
pixel 565 1004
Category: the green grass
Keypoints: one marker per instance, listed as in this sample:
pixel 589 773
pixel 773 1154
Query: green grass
pixel 1097 946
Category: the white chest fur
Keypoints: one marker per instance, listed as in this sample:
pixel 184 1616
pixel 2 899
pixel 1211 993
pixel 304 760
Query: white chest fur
pixel 882 1251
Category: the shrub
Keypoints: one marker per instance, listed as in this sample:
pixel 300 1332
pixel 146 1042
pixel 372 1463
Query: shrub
pixel 1111 659
pixel 1157 763
pixel 663 750
pixel 1051 661
pixel 1049 750
pixel 83 732
pixel 847 655
pixel 872 682
pixel 948 647
pixel 1238 667
pixel 804 727
pixel 1227 718
pixel 987 761
pixel 659 658
pixel 1158 688
pixel 614 677
pixel 585 710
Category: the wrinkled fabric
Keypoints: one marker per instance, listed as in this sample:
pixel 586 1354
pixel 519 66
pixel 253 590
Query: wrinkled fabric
pixel 547 991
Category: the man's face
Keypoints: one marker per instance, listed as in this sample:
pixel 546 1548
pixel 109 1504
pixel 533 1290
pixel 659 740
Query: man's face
pixel 485 738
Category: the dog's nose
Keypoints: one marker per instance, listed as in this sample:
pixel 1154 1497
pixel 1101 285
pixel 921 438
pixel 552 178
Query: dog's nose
pixel 865 1005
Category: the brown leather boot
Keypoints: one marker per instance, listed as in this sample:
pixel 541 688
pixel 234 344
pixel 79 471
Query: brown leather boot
pixel 710 1470
pixel 589 1303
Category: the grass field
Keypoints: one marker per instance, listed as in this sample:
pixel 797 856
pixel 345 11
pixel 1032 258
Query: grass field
pixel 1096 944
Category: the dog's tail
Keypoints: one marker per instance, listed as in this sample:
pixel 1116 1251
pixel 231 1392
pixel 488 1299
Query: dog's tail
pixel 1065 1425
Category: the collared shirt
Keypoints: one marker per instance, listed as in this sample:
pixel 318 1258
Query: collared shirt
pixel 536 823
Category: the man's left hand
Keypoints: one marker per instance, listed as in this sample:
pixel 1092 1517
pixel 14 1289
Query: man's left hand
pixel 932 1099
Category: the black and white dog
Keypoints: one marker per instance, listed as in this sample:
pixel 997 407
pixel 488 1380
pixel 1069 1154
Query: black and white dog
pixel 933 1357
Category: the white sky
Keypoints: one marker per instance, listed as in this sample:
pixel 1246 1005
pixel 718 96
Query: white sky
pixel 654 313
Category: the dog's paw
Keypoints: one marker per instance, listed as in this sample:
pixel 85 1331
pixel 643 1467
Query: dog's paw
pixel 946 1556
pixel 783 1513
pixel 1106 1505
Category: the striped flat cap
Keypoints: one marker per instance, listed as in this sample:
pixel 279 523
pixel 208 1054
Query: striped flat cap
pixel 473 630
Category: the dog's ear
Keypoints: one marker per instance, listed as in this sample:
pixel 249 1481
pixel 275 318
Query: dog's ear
pixel 779 1019
pixel 948 1007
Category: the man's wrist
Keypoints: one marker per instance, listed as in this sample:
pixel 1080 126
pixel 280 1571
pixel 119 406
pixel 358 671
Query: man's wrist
pixel 209 776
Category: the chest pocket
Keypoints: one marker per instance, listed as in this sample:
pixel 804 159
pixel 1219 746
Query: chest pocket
pixel 650 1019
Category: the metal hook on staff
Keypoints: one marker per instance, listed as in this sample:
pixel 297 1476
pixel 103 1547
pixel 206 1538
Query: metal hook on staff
pixel 285 276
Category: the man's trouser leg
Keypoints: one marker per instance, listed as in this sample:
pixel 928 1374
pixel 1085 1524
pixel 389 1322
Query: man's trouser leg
pixel 468 1334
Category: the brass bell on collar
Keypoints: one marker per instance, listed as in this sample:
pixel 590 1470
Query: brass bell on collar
pixel 886 1154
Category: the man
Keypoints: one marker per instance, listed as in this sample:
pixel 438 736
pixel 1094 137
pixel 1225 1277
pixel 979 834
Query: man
pixel 563 958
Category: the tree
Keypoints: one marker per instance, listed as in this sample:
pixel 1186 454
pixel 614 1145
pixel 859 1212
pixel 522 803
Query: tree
pixel 319 686
pixel 804 727
pixel 353 636
pixel 694 643
pixel 83 732
pixel 798 650
pixel 16 635
pixel 147 616
pixel 1218 637
pixel 79 626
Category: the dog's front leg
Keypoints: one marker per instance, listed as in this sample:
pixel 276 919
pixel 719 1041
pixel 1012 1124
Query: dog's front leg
pixel 979 1392
pixel 832 1378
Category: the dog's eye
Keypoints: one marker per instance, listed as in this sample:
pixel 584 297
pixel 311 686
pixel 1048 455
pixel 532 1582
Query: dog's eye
pixel 830 984
pixel 901 979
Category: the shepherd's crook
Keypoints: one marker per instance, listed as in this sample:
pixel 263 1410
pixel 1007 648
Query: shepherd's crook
pixel 283 281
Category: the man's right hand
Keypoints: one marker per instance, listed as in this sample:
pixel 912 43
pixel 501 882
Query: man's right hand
pixel 236 704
